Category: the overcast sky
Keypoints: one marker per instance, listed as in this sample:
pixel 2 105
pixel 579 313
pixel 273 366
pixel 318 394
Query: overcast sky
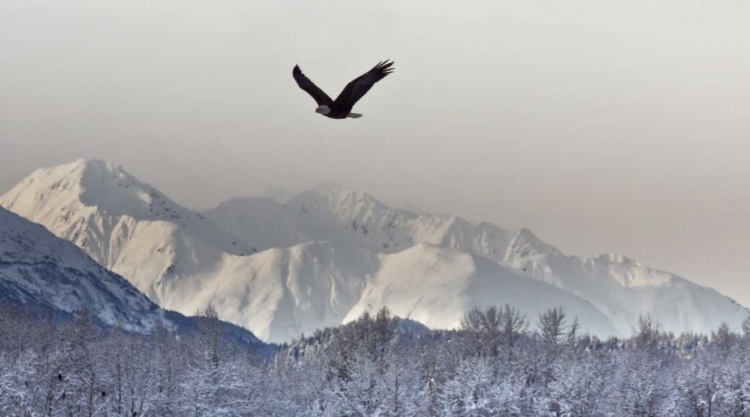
pixel 601 126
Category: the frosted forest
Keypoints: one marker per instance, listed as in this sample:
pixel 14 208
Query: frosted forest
pixel 498 363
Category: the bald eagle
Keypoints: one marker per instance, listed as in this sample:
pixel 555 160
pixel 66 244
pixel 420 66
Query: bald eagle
pixel 341 108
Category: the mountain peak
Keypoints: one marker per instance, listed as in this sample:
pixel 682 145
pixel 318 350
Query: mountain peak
pixel 124 224
pixel 277 193
pixel 83 168
pixel 618 258
pixel 91 183
pixel 93 162
pixel 337 192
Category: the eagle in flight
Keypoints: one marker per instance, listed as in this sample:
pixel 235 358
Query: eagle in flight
pixel 341 108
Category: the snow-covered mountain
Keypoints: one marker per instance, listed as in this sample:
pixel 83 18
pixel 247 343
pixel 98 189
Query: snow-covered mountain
pixel 322 257
pixel 282 293
pixel 38 267
pixel 622 289
pixel 436 286
pixel 125 225
pixel 42 271
pixel 331 213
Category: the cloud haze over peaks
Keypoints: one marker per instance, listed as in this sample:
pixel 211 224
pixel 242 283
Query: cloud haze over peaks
pixel 602 126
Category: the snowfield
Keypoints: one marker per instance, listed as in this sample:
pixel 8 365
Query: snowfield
pixel 38 267
pixel 51 277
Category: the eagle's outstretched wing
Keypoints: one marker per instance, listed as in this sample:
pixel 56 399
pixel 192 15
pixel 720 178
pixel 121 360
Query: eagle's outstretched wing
pixel 356 89
pixel 313 90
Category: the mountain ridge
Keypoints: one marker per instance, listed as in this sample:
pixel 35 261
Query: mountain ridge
pixel 622 288
pixel 48 275
pixel 246 245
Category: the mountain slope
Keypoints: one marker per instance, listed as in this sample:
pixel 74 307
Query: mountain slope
pixel 280 268
pixel 40 270
pixel 436 286
pixel 36 266
pixel 336 214
pixel 126 226
pixel 625 289
pixel 621 288
pixel 281 293
pixel 184 262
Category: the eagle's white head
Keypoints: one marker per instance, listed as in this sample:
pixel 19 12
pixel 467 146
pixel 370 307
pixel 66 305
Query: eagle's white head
pixel 324 110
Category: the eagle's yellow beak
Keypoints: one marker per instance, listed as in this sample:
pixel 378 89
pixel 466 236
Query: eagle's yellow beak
pixel 317 110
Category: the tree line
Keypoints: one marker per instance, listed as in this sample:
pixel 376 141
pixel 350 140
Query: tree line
pixel 378 365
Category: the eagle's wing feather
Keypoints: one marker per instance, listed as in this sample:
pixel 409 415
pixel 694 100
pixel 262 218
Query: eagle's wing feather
pixel 313 90
pixel 358 87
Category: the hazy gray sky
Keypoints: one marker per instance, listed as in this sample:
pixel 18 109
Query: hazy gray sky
pixel 602 126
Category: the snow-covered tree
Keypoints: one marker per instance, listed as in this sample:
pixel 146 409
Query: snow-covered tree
pixel 373 366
